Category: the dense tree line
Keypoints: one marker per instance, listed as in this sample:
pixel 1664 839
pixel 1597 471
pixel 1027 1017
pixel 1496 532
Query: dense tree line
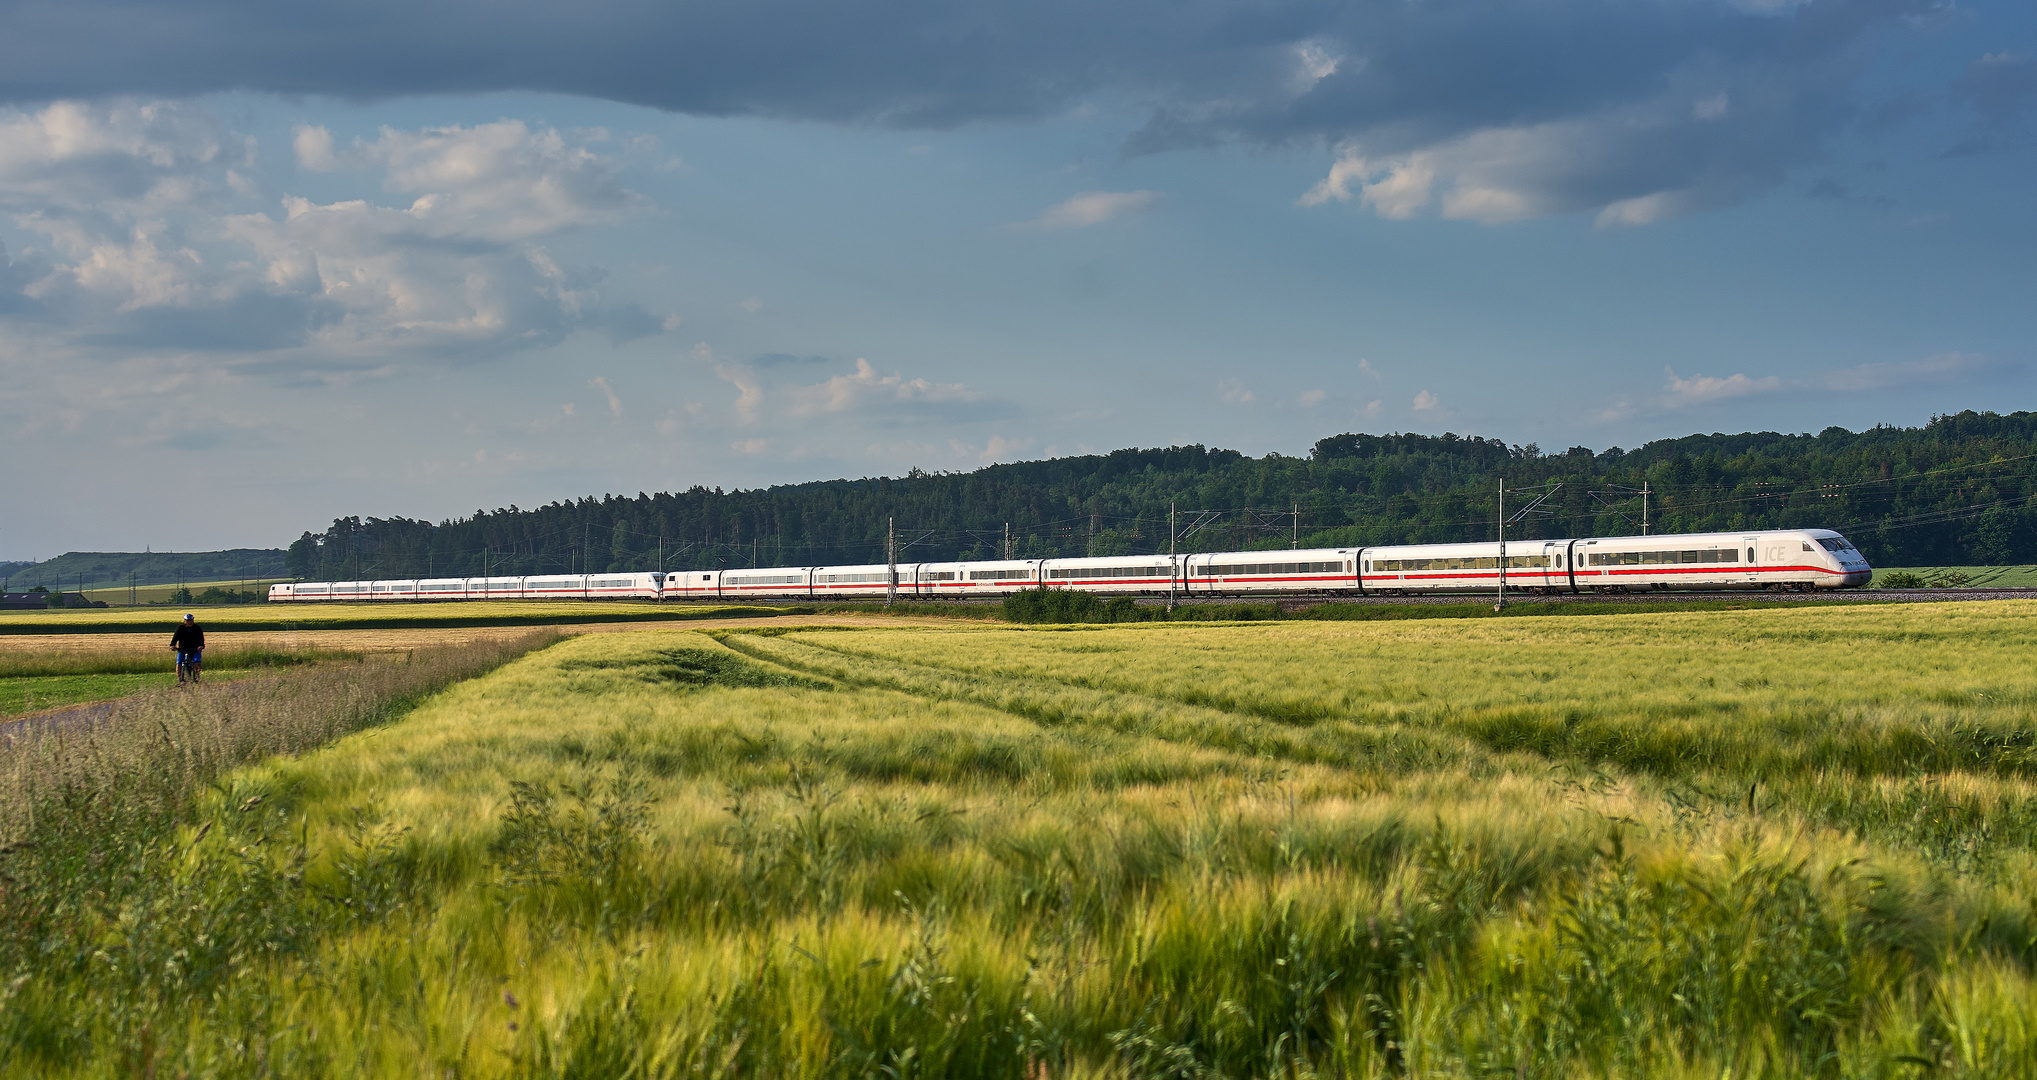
pixel 1957 490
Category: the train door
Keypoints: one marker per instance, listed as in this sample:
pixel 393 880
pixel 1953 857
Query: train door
pixel 1750 545
pixel 1552 564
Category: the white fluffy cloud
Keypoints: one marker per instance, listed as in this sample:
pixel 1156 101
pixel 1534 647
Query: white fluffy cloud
pixel 152 237
pixel 1705 389
pixel 861 396
pixel 1686 392
pixel 1094 208
pixel 502 181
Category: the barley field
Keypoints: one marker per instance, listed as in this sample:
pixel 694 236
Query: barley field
pixel 1774 843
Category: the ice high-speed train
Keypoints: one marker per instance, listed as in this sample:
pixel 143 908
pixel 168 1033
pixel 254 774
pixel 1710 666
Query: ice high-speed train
pixel 1795 559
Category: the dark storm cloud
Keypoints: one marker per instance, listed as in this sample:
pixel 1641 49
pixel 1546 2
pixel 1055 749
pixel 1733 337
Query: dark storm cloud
pixel 2000 86
pixel 1212 70
pixel 16 274
pixel 1378 79
pixel 2001 89
pixel 771 360
pixel 250 322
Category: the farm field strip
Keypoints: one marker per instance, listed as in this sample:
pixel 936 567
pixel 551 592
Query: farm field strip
pixel 1978 577
pixel 21 696
pixel 396 640
pixel 1363 850
pixel 118 594
pixel 392 615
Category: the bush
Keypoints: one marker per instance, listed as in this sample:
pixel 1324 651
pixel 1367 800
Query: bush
pixel 1045 605
pixel 1900 579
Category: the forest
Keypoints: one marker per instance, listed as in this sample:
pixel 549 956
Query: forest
pixel 1955 491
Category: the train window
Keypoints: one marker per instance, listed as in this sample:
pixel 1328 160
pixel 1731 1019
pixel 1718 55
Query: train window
pixel 1657 558
pixel 1750 556
pixel 1807 546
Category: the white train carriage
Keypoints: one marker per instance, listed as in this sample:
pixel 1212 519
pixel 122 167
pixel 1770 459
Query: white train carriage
pixel 442 589
pixel 854 582
pixel 995 577
pixel 1124 575
pixel 691 585
pixel 774 583
pixel 1248 573
pixel 1537 565
pixel 1794 559
pixel 640 586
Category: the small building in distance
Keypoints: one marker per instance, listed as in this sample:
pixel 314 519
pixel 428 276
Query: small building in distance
pixel 17 601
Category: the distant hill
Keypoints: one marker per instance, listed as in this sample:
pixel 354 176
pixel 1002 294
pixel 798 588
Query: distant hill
pixel 104 568
pixel 1961 490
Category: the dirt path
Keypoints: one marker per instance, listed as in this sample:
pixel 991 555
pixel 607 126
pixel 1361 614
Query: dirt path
pixel 396 640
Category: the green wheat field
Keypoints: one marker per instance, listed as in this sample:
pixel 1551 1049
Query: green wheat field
pixel 1771 843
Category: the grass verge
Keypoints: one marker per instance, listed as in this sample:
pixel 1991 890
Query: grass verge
pixel 448 615
pixel 19 695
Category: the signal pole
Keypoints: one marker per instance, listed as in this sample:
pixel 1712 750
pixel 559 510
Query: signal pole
pixel 1501 605
pixel 1173 563
pixel 1295 541
pixel 1007 540
pixel 1644 508
pixel 891 549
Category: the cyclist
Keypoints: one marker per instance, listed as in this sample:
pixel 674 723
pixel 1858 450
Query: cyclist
pixel 189 641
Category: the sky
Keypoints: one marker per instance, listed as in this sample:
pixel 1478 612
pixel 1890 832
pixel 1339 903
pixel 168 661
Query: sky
pixel 265 265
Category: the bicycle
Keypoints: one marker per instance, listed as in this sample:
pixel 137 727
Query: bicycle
pixel 188 665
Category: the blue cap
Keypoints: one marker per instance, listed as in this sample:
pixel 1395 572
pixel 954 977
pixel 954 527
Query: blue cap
pixel 187 616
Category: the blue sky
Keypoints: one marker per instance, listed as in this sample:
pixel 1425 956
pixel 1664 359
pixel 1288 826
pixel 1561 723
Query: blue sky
pixel 267 265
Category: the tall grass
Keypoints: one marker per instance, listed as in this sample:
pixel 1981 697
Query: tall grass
pixel 23 664
pixel 1168 851
pixel 151 752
